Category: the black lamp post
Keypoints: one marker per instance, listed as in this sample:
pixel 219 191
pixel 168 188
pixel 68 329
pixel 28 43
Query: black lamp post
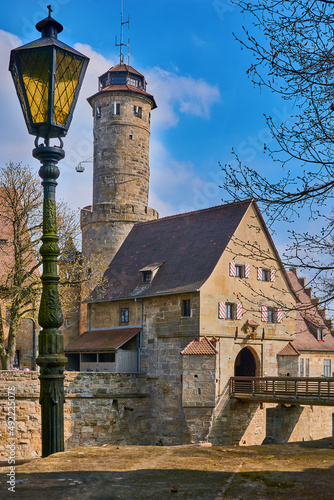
pixel 48 75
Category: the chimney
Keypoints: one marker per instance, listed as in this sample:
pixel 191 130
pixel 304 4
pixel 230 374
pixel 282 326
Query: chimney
pixel 294 270
pixel 302 282
pixel 308 291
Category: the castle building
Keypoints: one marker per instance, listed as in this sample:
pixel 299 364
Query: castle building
pixel 187 301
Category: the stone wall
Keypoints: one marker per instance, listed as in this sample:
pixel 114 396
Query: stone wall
pixel 246 423
pixel 100 408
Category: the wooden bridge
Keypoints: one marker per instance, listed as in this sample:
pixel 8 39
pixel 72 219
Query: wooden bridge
pixel 288 390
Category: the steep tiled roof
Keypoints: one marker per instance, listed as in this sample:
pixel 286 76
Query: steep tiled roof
pixel 199 347
pixel 308 319
pixel 102 340
pixel 124 67
pixel 288 350
pixel 188 246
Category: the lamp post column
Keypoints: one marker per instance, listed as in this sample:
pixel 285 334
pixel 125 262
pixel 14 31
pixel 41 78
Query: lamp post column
pixel 51 357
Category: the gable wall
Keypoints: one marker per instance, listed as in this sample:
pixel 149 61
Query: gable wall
pixel 249 245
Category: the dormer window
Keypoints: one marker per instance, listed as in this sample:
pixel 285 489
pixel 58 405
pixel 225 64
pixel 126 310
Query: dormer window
pixel 148 272
pixel 319 334
pixel 147 276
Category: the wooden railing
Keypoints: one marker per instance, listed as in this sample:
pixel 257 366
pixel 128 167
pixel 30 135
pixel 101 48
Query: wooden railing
pixel 313 391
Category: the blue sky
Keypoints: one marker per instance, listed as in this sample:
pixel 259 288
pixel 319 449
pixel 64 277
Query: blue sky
pixel 194 68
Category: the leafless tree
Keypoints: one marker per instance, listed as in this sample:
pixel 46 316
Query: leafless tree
pixel 292 42
pixel 21 201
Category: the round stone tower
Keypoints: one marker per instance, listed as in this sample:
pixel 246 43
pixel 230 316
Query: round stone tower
pixel 122 111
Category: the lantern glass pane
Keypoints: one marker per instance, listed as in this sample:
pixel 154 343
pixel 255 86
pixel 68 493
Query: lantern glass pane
pixel 68 70
pixel 36 78
pixel 19 91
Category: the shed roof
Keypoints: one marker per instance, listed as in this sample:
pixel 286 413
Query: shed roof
pixel 102 340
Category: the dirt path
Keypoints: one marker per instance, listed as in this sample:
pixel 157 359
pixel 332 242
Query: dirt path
pixel 294 471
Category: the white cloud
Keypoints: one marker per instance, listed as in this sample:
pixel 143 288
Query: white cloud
pixel 171 180
pixel 177 94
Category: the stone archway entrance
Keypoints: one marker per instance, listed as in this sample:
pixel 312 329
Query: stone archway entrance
pixel 245 364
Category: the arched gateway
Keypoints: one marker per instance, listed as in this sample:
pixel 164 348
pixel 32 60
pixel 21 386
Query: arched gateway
pixel 245 364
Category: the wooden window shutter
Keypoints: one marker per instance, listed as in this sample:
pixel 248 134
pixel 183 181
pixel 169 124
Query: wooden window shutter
pixel 239 311
pixel 272 274
pixel 264 313
pixel 221 310
pixel 232 269
pixel 247 270
pixel 259 273
pixel 279 315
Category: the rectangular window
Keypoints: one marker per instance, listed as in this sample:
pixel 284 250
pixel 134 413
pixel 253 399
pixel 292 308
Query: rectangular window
pixel 301 370
pixel 118 79
pixel 125 315
pixel 327 367
pixel 98 112
pixel 88 357
pixel 270 315
pixel 228 311
pixel 133 82
pixel 239 271
pixel 319 334
pixel 186 308
pixel 106 357
pixel 137 111
pixel 116 108
pixel 307 367
pixel 265 275
pixel 147 276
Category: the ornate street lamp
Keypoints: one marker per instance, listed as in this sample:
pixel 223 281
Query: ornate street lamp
pixel 48 75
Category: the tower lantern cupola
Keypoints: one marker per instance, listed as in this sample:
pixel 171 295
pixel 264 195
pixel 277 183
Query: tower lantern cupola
pixel 122 74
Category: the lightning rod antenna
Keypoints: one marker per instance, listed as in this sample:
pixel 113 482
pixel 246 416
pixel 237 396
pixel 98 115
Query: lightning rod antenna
pixel 121 44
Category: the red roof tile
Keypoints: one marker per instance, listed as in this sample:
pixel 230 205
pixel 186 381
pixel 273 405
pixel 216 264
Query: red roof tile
pixel 201 347
pixel 126 88
pixel 288 350
pixel 124 67
pixel 308 319
pixel 102 340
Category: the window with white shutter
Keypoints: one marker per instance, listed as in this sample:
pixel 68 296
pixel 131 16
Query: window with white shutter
pixel 239 311
pixel 259 273
pixel 272 275
pixel 279 315
pixel 221 310
pixel 247 270
pixel 264 313
pixel 232 269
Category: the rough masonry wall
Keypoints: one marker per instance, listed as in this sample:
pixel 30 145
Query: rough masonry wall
pixel 245 423
pixel 198 394
pixel 100 408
